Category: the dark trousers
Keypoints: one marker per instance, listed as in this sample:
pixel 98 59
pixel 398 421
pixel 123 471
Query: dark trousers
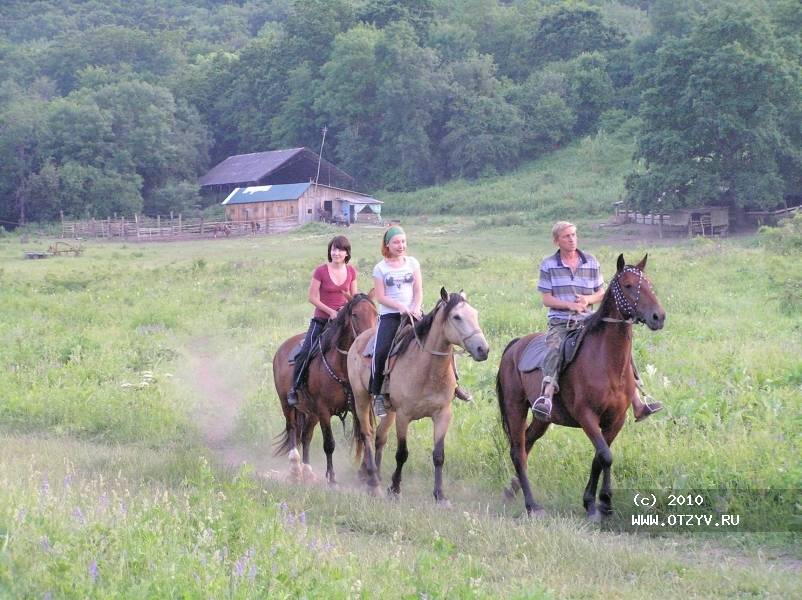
pixel 388 326
pixel 316 326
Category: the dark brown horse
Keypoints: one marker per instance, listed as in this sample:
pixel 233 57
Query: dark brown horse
pixel 327 392
pixel 595 389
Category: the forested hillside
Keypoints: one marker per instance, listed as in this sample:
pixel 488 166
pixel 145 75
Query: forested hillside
pixel 116 107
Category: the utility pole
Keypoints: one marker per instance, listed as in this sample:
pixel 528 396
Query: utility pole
pixel 320 156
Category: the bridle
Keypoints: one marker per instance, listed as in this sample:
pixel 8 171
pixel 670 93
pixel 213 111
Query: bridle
pixel 625 306
pixel 451 351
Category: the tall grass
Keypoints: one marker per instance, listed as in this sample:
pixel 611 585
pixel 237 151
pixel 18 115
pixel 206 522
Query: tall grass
pixel 93 360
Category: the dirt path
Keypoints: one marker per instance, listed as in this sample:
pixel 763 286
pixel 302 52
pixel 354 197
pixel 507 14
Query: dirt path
pixel 208 373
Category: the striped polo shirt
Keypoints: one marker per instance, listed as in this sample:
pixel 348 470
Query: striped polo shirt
pixel 557 278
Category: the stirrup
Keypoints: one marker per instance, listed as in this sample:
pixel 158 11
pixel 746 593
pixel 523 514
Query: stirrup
pixel 292 398
pixel 380 405
pixel 541 409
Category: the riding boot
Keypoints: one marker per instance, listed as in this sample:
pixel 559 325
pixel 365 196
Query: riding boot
pixel 646 407
pixel 541 408
pixel 463 394
pixel 460 392
pixel 292 398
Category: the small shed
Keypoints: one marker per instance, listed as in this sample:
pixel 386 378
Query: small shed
pixel 703 220
pixel 296 204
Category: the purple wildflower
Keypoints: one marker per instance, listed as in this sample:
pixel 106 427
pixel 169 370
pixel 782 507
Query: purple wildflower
pixel 45 544
pixel 252 572
pixel 67 482
pixel 103 501
pixel 302 518
pixel 93 571
pixel 78 515
pixel 44 488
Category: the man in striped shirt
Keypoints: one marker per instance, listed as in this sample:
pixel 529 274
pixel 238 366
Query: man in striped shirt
pixel 570 283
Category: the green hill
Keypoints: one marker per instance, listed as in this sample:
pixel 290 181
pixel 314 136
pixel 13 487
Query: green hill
pixel 584 178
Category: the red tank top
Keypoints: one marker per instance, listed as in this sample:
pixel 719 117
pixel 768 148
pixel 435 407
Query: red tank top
pixel 331 293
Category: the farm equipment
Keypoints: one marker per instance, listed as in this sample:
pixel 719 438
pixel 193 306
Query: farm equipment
pixel 56 249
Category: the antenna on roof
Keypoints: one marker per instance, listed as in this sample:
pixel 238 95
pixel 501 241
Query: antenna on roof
pixel 320 156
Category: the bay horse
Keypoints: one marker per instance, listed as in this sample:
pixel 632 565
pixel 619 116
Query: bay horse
pixel 326 392
pixel 595 389
pixel 422 383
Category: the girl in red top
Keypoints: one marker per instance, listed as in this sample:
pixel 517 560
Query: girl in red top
pixel 330 282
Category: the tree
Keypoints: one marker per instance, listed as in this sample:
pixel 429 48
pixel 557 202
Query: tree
pixel 590 90
pixel 715 114
pixel 483 130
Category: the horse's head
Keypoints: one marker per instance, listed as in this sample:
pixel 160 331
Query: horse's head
pixel 461 325
pixel 361 312
pixel 634 295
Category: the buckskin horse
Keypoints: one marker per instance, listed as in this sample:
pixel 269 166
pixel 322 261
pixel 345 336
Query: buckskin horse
pixel 421 385
pixel 595 389
pixel 326 392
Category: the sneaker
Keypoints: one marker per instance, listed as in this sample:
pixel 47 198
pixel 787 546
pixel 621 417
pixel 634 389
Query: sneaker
pixel 649 408
pixel 292 398
pixel 380 405
pixel 463 394
pixel 541 408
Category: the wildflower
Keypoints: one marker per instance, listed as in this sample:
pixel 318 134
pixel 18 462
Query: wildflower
pixel 93 571
pixel 45 544
pixel 78 515
pixel 67 482
pixel 252 572
pixel 44 488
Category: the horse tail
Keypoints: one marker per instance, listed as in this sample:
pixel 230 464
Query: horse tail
pixel 500 394
pixel 281 443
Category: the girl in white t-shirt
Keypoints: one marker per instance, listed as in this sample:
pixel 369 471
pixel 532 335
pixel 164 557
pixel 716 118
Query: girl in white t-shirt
pixel 398 286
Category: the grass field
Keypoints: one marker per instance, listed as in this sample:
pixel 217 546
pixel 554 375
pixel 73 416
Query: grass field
pixel 136 385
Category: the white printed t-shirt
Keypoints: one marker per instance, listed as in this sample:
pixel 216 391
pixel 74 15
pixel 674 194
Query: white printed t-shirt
pixel 398 282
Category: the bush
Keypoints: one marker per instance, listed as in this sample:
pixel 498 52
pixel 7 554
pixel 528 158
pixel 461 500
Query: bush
pixel 785 239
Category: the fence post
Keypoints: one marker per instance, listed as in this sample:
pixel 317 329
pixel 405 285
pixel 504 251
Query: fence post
pixel 159 225
pixel 124 232
pixel 201 226
pixel 179 223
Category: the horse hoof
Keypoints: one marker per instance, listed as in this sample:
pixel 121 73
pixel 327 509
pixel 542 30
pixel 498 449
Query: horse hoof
pixel 294 457
pixel 536 513
pixel 595 517
pixel 309 475
pixel 392 494
pixel 445 503
pixel 375 491
pixel 509 494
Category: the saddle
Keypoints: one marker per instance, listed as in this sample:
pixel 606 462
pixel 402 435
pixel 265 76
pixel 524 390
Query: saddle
pixel 535 351
pixel 292 357
pixel 392 356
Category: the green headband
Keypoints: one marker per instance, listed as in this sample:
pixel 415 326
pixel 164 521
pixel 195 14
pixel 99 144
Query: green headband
pixel 391 233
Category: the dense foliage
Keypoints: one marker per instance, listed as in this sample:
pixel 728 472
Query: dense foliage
pixel 116 107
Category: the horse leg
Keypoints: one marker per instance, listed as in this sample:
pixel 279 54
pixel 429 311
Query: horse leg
pixel 605 494
pixel 290 415
pixel 401 454
pixel 534 432
pixel 382 432
pixel 328 447
pixel 441 422
pixel 306 443
pixel 602 461
pixel 516 414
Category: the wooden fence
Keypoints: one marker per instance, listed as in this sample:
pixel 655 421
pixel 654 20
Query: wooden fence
pixel 146 228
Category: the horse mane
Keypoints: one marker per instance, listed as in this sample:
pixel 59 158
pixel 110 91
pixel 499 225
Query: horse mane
pixel 335 327
pixel 422 327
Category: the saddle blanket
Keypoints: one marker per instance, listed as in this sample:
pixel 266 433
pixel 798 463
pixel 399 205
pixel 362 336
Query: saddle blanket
pixel 535 351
